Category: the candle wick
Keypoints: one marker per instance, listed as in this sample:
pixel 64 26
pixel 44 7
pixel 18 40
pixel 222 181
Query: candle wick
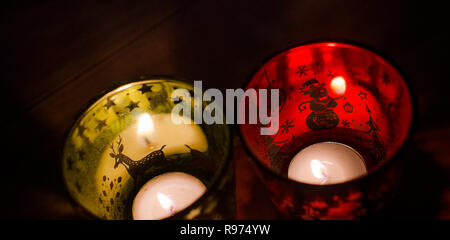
pixel 147 141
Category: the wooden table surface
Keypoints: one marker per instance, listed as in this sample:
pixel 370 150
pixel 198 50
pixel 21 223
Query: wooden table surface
pixel 60 54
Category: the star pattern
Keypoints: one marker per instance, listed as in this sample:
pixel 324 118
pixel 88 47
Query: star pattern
pixel 109 103
pixel 145 89
pixel 133 105
pixel 287 125
pixel 362 94
pixel 100 124
pixel 302 70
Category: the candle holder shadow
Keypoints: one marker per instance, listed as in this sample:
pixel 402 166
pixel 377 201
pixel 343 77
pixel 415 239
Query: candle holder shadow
pixel 331 92
pixel 103 168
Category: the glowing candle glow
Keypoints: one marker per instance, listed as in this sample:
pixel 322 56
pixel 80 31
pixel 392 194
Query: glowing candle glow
pixel 151 132
pixel 326 163
pixel 167 203
pixel 145 128
pixel 338 85
pixel 165 195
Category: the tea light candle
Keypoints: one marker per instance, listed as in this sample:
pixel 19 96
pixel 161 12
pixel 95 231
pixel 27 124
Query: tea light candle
pixel 326 163
pixel 165 195
pixel 142 137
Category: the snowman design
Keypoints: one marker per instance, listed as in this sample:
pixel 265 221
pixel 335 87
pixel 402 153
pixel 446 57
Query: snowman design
pixel 321 105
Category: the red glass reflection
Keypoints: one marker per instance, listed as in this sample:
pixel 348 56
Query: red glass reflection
pixel 332 92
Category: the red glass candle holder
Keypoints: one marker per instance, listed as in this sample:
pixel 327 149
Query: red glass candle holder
pixel 336 92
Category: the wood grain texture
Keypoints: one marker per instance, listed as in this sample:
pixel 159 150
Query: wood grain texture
pixel 60 40
pixel 221 46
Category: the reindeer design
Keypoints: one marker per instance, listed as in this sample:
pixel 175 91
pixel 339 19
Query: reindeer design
pixel 136 168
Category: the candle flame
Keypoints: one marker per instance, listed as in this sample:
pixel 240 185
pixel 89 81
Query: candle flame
pixel 166 202
pixel 145 123
pixel 338 85
pixel 319 170
pixel 145 127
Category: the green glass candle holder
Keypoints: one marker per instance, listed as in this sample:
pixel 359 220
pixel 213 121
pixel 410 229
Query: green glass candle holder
pixel 126 138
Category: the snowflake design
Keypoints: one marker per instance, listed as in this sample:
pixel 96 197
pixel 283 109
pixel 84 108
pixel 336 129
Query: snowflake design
pixel 302 70
pixel 331 74
pixel 301 90
pixel 345 122
pixel 287 125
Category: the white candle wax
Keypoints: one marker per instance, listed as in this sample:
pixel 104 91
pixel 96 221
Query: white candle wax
pixel 326 163
pixel 151 132
pixel 165 195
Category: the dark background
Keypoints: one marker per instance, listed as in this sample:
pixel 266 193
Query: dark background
pixel 58 55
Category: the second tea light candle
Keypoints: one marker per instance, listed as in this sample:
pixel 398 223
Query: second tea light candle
pixel 326 163
pixel 165 195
